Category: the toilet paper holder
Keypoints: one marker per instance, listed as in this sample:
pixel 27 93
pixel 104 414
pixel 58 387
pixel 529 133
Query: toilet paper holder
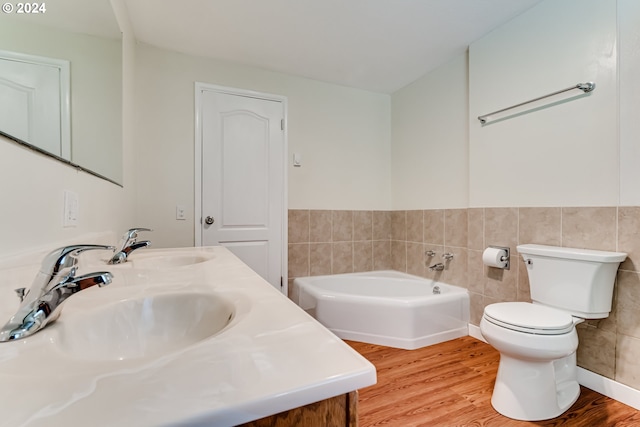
pixel 506 257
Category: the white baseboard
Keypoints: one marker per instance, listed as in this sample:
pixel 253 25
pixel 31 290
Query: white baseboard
pixel 603 385
pixel 610 388
pixel 474 332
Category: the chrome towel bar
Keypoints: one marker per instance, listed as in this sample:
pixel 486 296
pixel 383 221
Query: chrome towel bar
pixel 585 87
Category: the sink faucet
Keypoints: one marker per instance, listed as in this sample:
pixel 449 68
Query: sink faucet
pixel 128 244
pixel 55 282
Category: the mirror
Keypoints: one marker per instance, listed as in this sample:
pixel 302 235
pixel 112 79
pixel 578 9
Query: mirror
pixel 87 36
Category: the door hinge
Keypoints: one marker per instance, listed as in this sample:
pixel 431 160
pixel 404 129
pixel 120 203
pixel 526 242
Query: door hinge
pixel 281 283
pixel 282 124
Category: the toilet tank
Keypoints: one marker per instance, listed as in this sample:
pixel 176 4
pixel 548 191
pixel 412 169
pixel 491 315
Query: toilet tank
pixel 578 281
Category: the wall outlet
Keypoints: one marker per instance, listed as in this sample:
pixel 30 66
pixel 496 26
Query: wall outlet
pixel 71 209
pixel 181 214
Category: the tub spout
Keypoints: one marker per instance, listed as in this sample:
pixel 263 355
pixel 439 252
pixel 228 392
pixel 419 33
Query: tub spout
pixel 437 267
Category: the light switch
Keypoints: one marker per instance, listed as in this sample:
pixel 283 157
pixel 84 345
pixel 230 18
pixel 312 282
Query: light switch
pixel 71 209
pixel 181 213
pixel 297 160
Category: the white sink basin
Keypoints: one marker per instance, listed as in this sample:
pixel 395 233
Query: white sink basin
pixel 161 262
pixel 149 259
pixel 143 327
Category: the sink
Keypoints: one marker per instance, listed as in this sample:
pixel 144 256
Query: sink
pixel 143 327
pixel 211 343
pixel 160 262
pixel 151 259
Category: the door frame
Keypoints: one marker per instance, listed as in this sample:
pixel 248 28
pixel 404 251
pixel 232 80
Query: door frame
pixel 64 80
pixel 197 212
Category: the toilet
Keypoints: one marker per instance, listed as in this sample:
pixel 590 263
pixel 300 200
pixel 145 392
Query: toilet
pixel 538 341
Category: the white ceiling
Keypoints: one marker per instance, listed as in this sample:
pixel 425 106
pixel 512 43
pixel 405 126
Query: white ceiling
pixel 377 45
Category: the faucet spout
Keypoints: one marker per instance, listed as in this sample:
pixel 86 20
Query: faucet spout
pixel 49 305
pixel 137 245
pixel 437 267
pixel 53 285
pixel 101 278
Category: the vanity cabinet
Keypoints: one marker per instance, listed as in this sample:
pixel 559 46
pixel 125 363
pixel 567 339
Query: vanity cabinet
pixel 337 411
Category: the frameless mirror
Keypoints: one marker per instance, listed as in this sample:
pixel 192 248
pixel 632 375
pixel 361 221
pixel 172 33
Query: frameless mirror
pixel 81 124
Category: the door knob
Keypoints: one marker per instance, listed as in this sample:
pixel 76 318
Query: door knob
pixel 209 220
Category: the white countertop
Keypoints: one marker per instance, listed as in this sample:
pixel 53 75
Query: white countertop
pixel 272 357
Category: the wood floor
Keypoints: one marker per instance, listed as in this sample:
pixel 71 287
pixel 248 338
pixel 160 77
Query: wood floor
pixel 450 385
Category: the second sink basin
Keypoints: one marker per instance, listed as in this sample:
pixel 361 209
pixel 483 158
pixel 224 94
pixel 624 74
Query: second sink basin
pixel 143 327
pixel 161 262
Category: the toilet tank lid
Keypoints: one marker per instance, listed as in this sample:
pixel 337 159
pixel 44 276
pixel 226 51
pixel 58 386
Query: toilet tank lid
pixel 572 253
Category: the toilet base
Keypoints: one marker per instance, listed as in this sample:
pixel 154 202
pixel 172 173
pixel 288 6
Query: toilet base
pixel 535 390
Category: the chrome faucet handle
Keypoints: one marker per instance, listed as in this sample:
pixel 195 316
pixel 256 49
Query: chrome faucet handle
pixel 447 255
pixel 128 244
pixel 59 263
pixel 66 257
pixel 132 234
pixel 430 253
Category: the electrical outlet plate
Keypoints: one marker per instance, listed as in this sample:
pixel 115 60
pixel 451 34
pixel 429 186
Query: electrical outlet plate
pixel 71 209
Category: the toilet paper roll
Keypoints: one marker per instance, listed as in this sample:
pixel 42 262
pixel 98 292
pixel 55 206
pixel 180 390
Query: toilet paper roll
pixel 493 257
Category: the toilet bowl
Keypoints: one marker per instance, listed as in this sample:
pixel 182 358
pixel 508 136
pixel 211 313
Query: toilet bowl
pixel 537 373
pixel 537 341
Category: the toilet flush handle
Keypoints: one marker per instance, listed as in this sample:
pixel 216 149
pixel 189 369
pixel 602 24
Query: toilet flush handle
pixel 528 261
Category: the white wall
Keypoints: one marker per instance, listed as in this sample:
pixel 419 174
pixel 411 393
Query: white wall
pixel 96 98
pixel 583 153
pixel 424 147
pixel 565 155
pixel 343 135
pixel 429 125
pixel 629 45
pixel 32 188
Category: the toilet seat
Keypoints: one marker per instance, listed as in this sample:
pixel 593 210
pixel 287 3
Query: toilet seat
pixel 529 318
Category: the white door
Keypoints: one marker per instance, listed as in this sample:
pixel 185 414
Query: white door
pixel 34 101
pixel 242 186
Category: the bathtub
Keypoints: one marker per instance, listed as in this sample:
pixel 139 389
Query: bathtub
pixel 385 307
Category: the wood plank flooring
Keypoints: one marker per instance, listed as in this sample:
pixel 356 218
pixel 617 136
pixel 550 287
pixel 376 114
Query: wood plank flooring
pixel 450 385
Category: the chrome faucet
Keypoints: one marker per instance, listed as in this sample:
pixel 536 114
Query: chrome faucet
pixel 128 244
pixel 437 267
pixel 54 283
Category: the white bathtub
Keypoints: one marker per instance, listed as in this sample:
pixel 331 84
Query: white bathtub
pixel 385 307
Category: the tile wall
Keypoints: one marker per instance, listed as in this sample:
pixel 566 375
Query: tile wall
pixel 332 242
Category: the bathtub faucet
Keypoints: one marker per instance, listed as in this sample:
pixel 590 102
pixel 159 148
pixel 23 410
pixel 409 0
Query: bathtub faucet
pixel 437 267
